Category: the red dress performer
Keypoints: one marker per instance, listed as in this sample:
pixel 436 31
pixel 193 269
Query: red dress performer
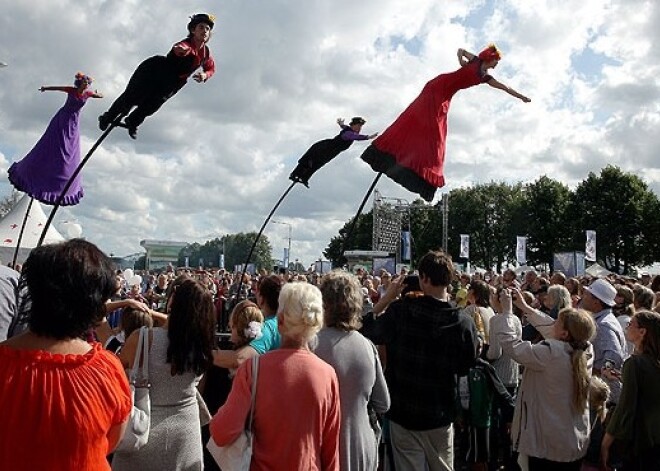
pixel 159 78
pixel 412 150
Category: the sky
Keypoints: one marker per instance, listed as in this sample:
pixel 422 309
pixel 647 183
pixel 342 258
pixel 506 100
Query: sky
pixel 216 157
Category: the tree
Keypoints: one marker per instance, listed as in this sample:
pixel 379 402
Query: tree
pixel 360 240
pixel 485 212
pixel 543 218
pixel 625 215
pixel 236 246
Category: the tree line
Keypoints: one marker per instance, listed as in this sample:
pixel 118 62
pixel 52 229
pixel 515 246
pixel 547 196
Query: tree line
pixel 618 205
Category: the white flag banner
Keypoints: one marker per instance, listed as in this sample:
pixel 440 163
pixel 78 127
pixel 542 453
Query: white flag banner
pixel 590 246
pixel 521 250
pixel 465 246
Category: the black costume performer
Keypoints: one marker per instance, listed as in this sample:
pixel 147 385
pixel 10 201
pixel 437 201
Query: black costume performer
pixel 159 78
pixel 324 151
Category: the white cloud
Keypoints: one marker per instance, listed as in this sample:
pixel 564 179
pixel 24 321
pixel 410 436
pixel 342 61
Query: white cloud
pixel 216 157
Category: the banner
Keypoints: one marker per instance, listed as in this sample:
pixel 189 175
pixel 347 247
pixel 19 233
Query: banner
pixel 521 250
pixel 285 259
pixel 590 246
pixel 465 246
pixel 405 246
pixel 221 263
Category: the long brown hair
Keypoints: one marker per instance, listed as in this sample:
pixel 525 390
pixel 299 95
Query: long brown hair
pixel 191 328
pixel 650 321
pixel 581 328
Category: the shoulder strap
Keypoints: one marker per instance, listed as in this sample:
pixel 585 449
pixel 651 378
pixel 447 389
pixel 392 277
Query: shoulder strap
pixel 145 354
pixel 139 353
pixel 255 374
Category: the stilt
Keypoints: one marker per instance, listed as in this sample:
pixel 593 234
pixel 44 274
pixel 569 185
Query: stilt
pixel 349 234
pixel 98 142
pixel 20 235
pixel 261 231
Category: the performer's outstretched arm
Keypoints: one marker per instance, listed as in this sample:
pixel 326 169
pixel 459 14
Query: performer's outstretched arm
pixel 56 89
pixel 499 85
pixel 464 57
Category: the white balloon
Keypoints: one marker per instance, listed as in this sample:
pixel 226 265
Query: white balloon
pixel 128 274
pixel 135 280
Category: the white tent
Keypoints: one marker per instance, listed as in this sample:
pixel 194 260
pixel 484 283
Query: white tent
pixel 10 228
pixel 597 270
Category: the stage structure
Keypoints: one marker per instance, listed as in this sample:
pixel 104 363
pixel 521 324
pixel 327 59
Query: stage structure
pixel 391 221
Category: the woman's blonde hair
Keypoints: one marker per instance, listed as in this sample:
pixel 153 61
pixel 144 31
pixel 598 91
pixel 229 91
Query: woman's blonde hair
pixel 559 296
pixel 599 394
pixel 241 316
pixel 300 311
pixel 581 328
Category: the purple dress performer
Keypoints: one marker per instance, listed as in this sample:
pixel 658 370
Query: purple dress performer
pixel 45 170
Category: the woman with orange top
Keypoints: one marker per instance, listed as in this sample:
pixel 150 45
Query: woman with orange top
pixel 64 402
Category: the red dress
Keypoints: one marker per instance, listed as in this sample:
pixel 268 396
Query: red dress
pixel 56 410
pixel 411 151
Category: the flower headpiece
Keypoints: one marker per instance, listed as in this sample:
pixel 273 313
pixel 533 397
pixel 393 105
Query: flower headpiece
pixel 79 77
pixel 490 53
pixel 253 331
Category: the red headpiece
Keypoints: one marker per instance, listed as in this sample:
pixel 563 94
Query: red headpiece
pixel 491 53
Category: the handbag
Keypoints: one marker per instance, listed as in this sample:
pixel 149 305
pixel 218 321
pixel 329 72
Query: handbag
pixel 137 429
pixel 238 455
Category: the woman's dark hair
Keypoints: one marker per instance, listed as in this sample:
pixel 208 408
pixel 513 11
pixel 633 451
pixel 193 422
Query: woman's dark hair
pixel 191 328
pixel 481 292
pixel 269 288
pixel 171 287
pixel 438 267
pixel 650 320
pixel 655 284
pixel 67 285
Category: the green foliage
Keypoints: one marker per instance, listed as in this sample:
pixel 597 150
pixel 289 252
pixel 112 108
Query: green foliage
pixel 625 215
pixel 619 206
pixel 360 240
pixel 236 248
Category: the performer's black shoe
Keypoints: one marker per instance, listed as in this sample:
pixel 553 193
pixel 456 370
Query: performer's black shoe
pixel 132 129
pixel 104 121
pixel 297 179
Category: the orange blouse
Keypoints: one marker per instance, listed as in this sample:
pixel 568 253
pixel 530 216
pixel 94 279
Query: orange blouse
pixel 56 410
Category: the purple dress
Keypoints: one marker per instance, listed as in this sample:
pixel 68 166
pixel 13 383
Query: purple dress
pixel 45 170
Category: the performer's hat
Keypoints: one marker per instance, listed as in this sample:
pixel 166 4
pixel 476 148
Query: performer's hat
pixel 201 18
pixel 357 120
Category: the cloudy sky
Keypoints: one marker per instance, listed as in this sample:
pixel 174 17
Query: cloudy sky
pixel 217 156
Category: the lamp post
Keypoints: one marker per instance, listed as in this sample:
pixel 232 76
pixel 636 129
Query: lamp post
pixel 288 253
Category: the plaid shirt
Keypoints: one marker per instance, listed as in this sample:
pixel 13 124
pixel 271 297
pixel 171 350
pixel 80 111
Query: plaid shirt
pixel 429 342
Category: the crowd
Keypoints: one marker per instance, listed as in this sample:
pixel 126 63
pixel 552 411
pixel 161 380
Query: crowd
pixel 430 370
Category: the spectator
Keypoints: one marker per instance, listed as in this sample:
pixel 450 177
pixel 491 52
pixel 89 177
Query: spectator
pixel 429 342
pixel 609 343
pixel 551 421
pixel 575 288
pixel 643 298
pixel 558 278
pixel 479 308
pixel 296 392
pixel 179 354
pixel 556 299
pixel 636 420
pixel 268 293
pixel 355 360
pixel 9 303
pixel 67 398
